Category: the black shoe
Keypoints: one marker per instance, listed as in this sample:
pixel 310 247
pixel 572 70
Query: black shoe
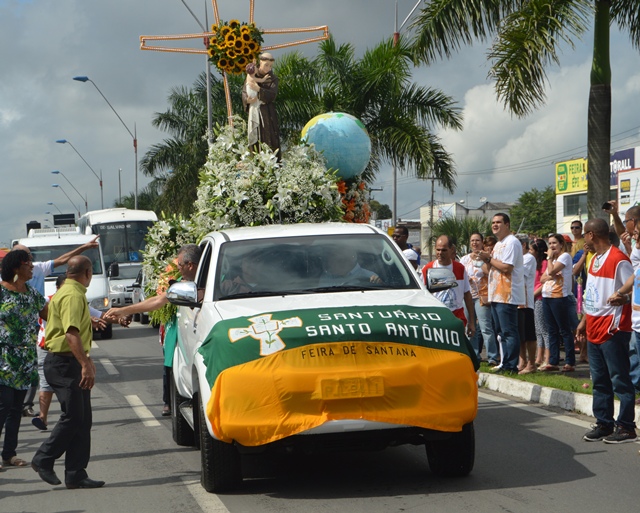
pixel 48 476
pixel 598 432
pixel 87 482
pixel 621 436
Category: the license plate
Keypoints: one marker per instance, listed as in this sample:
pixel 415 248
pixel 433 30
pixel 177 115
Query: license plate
pixel 348 388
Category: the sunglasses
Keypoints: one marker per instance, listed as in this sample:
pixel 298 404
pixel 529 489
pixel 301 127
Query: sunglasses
pixel 576 227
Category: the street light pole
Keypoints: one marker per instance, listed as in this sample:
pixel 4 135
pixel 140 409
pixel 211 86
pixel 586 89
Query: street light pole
pixel 63 192
pixel 86 204
pixel 64 141
pixel 396 38
pixel 133 135
pixel 53 204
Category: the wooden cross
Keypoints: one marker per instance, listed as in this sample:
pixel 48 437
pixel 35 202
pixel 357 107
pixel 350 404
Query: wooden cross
pixel 206 35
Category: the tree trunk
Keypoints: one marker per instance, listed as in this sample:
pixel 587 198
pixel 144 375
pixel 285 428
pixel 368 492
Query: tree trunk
pixel 599 116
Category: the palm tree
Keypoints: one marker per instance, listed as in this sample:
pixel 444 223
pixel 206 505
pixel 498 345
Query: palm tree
pixel 459 231
pixel 399 115
pixel 186 152
pixel 528 34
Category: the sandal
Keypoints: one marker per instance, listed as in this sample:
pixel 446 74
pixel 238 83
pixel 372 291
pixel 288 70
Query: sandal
pixel 549 368
pixel 14 461
pixel 39 423
pixel 568 368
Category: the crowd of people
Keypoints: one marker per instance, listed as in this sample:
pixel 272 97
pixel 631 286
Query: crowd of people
pixel 532 304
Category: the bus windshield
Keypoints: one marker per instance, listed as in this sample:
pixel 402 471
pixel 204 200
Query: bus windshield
pixel 46 253
pixel 122 241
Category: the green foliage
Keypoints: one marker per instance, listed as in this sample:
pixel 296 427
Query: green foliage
pixel 460 230
pixel 538 210
pixel 383 211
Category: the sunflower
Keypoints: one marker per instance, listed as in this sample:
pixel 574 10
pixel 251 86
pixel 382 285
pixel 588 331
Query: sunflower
pixel 231 54
pixel 223 63
pixel 238 45
pixel 253 46
pixel 234 24
pixel 225 30
pixel 246 50
pixel 230 38
pixel 242 62
pixel 245 36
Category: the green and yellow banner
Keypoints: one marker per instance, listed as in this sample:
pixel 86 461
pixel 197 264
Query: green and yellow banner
pixel 277 374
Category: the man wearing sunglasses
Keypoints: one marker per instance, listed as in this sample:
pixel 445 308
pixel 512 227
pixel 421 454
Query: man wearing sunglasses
pixel 578 238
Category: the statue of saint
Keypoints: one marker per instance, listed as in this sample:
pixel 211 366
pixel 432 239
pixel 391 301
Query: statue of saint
pixel 258 98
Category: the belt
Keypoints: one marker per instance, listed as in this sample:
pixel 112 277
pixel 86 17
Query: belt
pixel 66 354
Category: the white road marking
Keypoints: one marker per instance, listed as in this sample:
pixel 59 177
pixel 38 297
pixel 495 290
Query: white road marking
pixel 108 366
pixel 143 413
pixel 94 345
pixel 208 502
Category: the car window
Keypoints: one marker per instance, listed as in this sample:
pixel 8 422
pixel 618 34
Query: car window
pixel 205 263
pixel 311 264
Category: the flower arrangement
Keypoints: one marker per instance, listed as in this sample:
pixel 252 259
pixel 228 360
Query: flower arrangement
pixel 242 188
pixel 164 239
pixel 355 202
pixel 233 45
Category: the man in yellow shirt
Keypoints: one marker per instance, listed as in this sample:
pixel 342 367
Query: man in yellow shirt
pixel 71 373
pixel 578 238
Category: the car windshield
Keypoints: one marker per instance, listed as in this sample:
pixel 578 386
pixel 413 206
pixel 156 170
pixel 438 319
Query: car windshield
pixel 310 264
pixel 128 272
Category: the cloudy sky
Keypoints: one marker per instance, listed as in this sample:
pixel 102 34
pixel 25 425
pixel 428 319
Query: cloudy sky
pixel 44 44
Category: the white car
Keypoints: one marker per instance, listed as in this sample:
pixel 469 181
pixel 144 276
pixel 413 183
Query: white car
pixel 316 335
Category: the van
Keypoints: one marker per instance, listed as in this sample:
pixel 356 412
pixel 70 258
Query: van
pixel 50 243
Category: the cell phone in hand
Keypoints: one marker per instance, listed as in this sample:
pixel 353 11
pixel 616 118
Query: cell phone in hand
pixel 607 206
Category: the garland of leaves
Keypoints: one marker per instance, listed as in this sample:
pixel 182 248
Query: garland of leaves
pixel 233 45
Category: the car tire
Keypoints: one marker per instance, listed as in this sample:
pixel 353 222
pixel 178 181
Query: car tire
pixel 221 465
pixel 144 318
pixel 455 456
pixel 136 317
pixel 107 333
pixel 182 433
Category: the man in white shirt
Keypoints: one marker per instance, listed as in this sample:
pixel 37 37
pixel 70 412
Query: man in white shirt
pixel 456 298
pixel 506 289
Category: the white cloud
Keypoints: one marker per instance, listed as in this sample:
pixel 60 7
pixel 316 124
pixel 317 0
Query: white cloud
pixel 44 44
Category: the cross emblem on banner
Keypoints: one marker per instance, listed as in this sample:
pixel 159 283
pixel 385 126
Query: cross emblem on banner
pixel 206 35
pixel 265 330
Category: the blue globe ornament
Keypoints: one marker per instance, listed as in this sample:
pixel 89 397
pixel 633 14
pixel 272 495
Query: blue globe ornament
pixel 342 139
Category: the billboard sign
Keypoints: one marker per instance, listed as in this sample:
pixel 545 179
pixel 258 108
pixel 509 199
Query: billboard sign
pixel 571 176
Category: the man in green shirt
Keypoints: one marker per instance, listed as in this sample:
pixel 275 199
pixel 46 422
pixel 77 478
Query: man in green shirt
pixel 71 373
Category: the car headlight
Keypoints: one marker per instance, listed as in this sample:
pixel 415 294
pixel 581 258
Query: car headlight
pixel 117 288
pixel 99 303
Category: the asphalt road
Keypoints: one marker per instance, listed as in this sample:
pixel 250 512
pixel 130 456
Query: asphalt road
pixel 528 459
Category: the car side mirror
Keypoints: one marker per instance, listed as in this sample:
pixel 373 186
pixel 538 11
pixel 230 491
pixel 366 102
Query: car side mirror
pixel 184 293
pixel 440 279
pixel 114 270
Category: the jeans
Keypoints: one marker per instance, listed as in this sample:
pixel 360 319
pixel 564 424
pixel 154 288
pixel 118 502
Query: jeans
pixel 505 320
pixel 486 332
pixel 559 314
pixel 10 416
pixel 609 365
pixel 634 360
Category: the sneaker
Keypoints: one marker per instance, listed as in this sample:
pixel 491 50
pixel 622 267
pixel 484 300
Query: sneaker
pixel 621 436
pixel 598 432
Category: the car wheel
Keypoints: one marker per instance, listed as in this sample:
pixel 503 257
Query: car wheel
pixel 221 466
pixel 182 432
pixel 107 333
pixel 455 456
pixel 144 318
pixel 136 317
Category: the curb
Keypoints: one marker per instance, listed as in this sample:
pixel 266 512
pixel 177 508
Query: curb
pixel 530 392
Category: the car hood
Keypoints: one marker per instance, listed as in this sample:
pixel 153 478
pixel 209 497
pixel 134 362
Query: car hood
pixel 247 307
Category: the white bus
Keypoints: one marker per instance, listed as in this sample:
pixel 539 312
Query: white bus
pixel 122 233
